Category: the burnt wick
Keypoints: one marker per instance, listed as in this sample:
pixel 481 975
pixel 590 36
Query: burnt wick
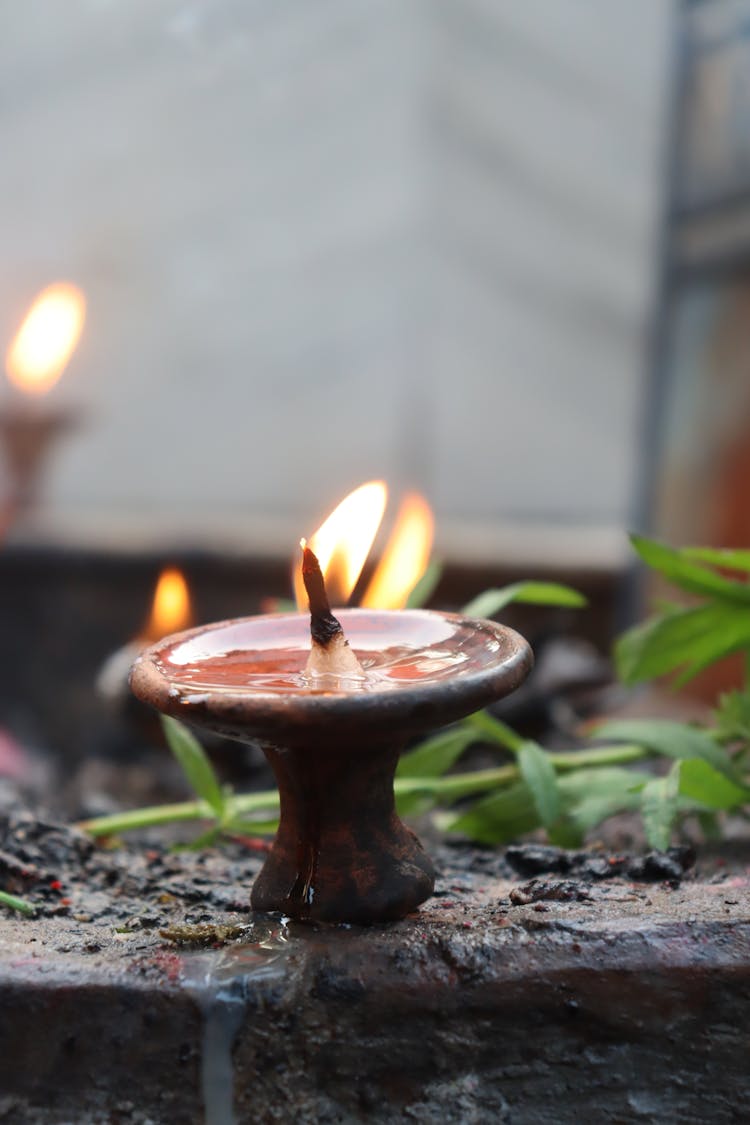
pixel 323 625
pixel 330 653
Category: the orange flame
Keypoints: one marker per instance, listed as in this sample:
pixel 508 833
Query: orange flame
pixel 170 610
pixel 405 557
pixel 343 543
pixel 47 338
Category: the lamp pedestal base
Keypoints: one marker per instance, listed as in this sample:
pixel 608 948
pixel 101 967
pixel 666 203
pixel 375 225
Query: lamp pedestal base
pixel 341 853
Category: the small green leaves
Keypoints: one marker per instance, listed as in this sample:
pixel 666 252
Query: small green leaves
pixel 500 817
pixel 681 568
pixel 14 903
pixel 733 717
pixel 492 601
pixel 196 766
pixel 436 755
pixel 592 795
pixel 492 730
pixel 702 783
pixel 539 774
pixel 538 771
pixel 586 797
pixel 728 560
pixel 673 740
pixel 659 807
pixel 686 639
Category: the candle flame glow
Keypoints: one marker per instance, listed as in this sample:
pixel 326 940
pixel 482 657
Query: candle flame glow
pixel 47 338
pixel 170 610
pixel 343 543
pixel 406 556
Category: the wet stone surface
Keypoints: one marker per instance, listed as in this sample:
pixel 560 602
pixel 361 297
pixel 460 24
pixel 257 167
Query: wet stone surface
pixel 536 986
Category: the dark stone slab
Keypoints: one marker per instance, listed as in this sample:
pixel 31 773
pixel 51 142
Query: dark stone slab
pixel 553 1000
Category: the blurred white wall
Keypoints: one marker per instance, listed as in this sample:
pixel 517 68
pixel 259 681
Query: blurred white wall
pixel 325 242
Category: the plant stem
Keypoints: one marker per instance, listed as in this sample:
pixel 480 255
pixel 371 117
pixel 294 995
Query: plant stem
pixel 174 814
pixel 15 903
pixel 461 784
pixel 448 788
pixel 458 784
pixel 615 755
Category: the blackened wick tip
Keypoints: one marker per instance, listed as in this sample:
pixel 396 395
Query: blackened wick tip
pixel 323 625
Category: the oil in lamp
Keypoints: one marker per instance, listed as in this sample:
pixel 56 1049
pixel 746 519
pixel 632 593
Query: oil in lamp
pixel 333 697
pixel 29 426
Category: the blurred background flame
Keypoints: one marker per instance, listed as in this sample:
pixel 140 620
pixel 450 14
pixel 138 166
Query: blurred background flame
pixel 171 610
pixel 46 339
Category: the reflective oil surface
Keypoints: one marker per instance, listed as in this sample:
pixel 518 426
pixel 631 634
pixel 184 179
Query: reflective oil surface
pixel 268 654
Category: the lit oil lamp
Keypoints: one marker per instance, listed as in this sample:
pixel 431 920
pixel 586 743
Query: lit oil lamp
pixel 36 358
pixel 333 698
pixel 170 611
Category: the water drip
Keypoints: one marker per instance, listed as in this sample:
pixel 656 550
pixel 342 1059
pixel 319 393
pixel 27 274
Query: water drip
pixel 219 981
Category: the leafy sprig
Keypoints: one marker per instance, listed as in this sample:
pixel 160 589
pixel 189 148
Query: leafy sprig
pixel 686 639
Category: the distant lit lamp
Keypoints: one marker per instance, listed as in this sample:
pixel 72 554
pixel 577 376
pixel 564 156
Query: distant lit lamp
pixel 29 426
pixel 170 611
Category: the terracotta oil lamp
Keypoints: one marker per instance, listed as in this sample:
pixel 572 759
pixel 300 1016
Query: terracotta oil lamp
pixel 29 426
pixel 333 701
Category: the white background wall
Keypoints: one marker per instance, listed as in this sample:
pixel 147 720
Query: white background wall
pixel 324 242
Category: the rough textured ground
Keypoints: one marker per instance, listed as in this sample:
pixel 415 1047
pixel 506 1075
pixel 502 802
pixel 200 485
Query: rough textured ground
pixel 535 987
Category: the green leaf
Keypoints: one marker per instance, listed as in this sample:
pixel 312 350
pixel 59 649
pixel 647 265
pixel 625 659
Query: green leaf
pixel 490 729
pixel 731 560
pixel 689 639
pixel 415 803
pixel 732 717
pixel 195 765
pixel 565 833
pixel 710 826
pixel 701 782
pixel 674 740
pixel 499 817
pixel 539 774
pixel 591 796
pixel 436 755
pixel 659 807
pixel 426 586
pixel 14 903
pixel 492 601
pixel 680 569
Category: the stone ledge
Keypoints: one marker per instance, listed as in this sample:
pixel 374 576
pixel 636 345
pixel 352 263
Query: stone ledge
pixel 609 1001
